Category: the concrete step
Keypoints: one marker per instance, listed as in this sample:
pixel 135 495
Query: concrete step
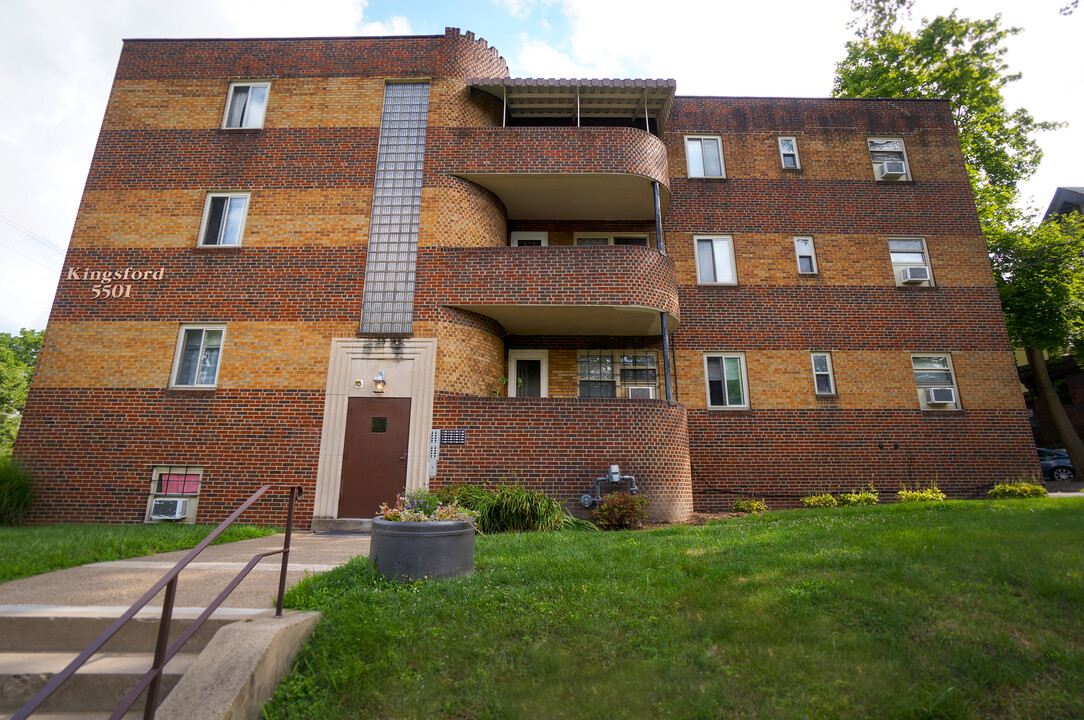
pixel 99 685
pixel 51 628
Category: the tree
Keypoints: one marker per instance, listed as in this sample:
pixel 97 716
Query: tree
pixel 1038 266
pixel 954 59
pixel 18 355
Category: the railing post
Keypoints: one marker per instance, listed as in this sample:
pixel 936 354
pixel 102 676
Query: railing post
pixel 160 649
pixel 295 492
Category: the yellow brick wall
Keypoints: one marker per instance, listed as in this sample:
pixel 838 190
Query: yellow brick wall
pixel 469 360
pixel 461 214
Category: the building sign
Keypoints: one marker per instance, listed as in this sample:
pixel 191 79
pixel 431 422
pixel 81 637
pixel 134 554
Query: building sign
pixel 107 284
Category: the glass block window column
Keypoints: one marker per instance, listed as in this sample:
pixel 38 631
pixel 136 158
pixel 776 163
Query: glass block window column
pixel 387 306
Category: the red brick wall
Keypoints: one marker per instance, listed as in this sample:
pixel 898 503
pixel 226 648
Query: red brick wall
pixel 782 455
pixel 92 451
pixel 561 445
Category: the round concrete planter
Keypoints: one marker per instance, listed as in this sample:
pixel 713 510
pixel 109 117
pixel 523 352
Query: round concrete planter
pixel 417 550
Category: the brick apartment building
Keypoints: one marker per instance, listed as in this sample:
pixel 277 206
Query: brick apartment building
pixel 271 226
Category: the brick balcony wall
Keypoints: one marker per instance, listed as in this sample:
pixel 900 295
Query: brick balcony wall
pixel 622 276
pixel 560 446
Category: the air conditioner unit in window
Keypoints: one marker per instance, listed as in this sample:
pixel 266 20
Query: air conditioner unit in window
pixel 893 169
pixel 915 275
pixel 641 392
pixel 169 508
pixel 940 396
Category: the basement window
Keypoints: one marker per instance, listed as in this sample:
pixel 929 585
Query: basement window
pixel 174 493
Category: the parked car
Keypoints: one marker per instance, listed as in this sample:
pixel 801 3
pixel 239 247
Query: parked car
pixel 1057 466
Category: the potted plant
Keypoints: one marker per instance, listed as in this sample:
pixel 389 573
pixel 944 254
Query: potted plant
pixel 422 538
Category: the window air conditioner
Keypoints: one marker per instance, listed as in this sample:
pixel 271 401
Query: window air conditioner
pixel 641 392
pixel 915 275
pixel 893 169
pixel 169 509
pixel 940 396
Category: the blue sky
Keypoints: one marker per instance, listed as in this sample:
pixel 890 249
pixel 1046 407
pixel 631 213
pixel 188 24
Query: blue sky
pixel 57 59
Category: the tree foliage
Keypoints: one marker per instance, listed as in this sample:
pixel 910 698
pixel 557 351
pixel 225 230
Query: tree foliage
pixel 959 60
pixel 18 355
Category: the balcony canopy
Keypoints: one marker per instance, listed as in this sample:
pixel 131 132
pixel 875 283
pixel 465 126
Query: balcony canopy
pixel 582 100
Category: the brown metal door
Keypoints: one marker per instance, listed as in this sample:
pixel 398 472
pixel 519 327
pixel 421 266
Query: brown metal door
pixel 374 455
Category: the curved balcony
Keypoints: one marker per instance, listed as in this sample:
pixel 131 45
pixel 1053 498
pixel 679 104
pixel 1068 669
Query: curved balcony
pixel 558 173
pixel 555 290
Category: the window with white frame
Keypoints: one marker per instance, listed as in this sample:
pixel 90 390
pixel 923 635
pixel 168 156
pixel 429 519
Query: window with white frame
pixel 199 353
pixel 788 153
pixel 824 382
pixel 889 159
pixel 223 222
pixel 618 373
pixel 805 254
pixel 910 261
pixel 715 259
pixel 935 381
pixel 726 380
pixel 704 156
pixel 174 493
pixel 246 105
pixel 530 238
pixel 588 239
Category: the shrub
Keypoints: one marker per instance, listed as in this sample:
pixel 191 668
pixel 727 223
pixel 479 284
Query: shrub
pixel 511 508
pixel 860 497
pixel 816 501
pixel 930 494
pixel 750 505
pixel 620 511
pixel 424 506
pixel 16 492
pixel 1017 489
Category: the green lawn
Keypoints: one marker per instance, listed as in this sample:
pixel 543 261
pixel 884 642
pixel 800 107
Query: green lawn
pixel 947 610
pixel 36 549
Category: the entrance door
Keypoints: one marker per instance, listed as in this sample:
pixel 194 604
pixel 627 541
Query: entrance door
pixel 374 455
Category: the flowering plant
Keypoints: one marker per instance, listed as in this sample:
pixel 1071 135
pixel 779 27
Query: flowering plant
pixel 422 506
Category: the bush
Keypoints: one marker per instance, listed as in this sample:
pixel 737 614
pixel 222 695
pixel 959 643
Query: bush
pixel 816 501
pixel 930 494
pixel 510 508
pixel 860 497
pixel 620 511
pixel 16 492
pixel 1017 489
pixel 750 505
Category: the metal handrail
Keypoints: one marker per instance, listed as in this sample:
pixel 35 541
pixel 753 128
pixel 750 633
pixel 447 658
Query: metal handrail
pixel 151 680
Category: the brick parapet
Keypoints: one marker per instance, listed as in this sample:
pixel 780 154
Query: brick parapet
pixel 561 445
pixel 616 276
pixel 782 455
pixel 242 438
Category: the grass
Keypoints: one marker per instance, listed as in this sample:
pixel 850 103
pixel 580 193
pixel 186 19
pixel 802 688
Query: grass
pixel 26 551
pixel 942 610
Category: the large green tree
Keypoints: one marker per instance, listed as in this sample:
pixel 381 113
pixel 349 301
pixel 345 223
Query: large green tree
pixel 1037 265
pixel 18 355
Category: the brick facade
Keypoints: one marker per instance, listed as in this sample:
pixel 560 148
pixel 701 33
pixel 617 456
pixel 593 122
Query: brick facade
pixel 101 413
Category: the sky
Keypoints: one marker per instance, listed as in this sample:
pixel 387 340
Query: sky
pixel 57 59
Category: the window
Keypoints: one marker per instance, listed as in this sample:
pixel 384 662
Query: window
pixel 936 385
pixel 715 260
pixel 246 105
pixel 174 493
pixel 199 352
pixel 528 373
pixel 223 219
pixel 788 153
pixel 910 264
pixel 807 258
pixel 601 239
pixel 523 238
pixel 618 373
pixel 726 381
pixel 889 159
pixel 704 155
pixel 823 382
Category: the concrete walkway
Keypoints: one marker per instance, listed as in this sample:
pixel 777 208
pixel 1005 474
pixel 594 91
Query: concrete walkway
pixel 119 583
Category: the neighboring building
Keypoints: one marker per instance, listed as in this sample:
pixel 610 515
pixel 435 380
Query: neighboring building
pixel 270 225
pixel 1064 372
